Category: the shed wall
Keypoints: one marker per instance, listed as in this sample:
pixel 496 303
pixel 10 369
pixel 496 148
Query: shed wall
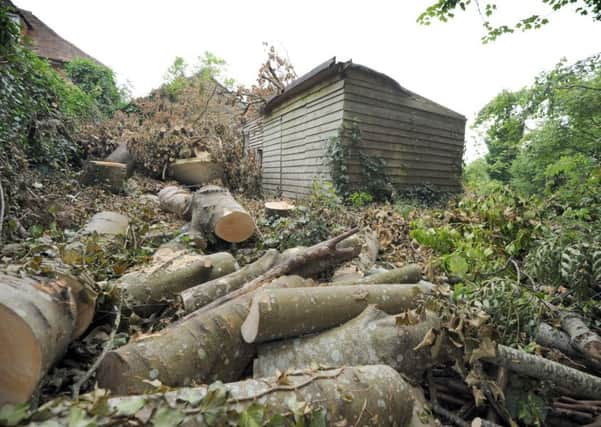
pixel 420 141
pixel 295 136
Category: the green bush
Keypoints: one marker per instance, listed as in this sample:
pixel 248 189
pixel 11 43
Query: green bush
pixel 360 198
pixel 97 81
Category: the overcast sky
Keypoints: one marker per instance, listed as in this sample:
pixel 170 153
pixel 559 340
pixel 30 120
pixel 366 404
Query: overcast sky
pixel 445 62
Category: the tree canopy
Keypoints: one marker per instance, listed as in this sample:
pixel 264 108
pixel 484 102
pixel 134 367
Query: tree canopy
pixel 445 10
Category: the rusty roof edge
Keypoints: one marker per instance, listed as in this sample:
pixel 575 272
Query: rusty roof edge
pixel 314 76
pixel 331 67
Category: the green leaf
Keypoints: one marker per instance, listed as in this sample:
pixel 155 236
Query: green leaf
pixel 79 418
pixel 318 418
pixel 130 406
pixel 457 265
pixel 11 415
pixel 167 417
pixel 252 416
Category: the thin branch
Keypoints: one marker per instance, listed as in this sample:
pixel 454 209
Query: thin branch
pixel 1 209
pixel 108 346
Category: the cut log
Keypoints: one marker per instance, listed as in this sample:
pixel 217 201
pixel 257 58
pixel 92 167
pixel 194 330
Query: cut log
pixel 121 154
pixel 174 268
pixel 350 396
pixel 214 210
pixel 176 200
pixel 38 319
pixel 587 342
pixel 278 208
pixel 550 337
pixel 304 262
pixel 356 268
pixel 373 337
pixel 282 313
pixel 577 382
pixel 203 347
pixel 111 175
pixel 196 171
pixel 409 274
pixel 198 296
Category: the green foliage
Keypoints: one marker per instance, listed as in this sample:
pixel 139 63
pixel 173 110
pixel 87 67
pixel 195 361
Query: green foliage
pixel 97 81
pixel 175 79
pixel 344 147
pixel 475 174
pixel 308 224
pixel 360 198
pixel 445 10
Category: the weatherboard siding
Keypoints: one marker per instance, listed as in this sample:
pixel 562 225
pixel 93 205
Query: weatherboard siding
pixel 420 142
pixel 295 135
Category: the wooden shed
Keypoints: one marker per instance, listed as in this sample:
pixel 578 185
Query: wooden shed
pixel 420 141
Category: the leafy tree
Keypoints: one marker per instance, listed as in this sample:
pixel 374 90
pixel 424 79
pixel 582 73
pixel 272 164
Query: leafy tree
pixel 546 139
pixel 444 10
pixel 96 80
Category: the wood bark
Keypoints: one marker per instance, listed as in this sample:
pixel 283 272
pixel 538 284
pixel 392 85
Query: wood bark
pixel 203 347
pixel 38 319
pixel 121 154
pixel 582 338
pixel 174 268
pixel 408 274
pixel 196 171
pixel 304 262
pixel 214 210
pixel 550 337
pixel 579 383
pixel 356 268
pixel 373 337
pixel 198 296
pixel 176 200
pixel 111 175
pixel 350 396
pixel 282 313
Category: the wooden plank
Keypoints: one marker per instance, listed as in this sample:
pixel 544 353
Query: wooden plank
pixel 361 107
pixel 318 91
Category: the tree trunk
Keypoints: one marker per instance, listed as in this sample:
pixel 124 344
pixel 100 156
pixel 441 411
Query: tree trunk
pixel 38 319
pixel 548 336
pixel 381 338
pixel 409 274
pixel 198 296
pixel 304 262
pixel 111 175
pixel 356 268
pixel 121 154
pixel 350 396
pixel 579 383
pixel 174 269
pixel 214 210
pixel 282 313
pixel 582 338
pixel 202 347
pixel 176 200
pixel 196 171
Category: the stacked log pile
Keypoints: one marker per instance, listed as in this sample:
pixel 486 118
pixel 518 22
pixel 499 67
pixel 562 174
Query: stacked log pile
pixel 353 350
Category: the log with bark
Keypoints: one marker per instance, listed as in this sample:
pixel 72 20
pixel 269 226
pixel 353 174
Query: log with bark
pixel 373 337
pixel 215 211
pixel 304 262
pixel 408 274
pixel 203 347
pixel 587 342
pixel 282 313
pixel 176 200
pixel 356 268
pixel 349 396
pixel 39 317
pixel 173 269
pixel 110 175
pixel 198 296
pixel 121 154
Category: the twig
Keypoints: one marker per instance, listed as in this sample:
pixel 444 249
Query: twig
pixel 107 347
